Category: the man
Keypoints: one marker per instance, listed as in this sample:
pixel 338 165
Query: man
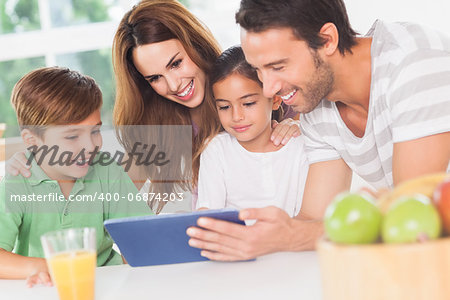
pixel 378 105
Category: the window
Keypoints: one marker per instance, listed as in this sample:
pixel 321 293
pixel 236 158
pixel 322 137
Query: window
pixel 73 33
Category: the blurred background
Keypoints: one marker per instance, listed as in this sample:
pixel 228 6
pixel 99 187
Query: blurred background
pixel 78 34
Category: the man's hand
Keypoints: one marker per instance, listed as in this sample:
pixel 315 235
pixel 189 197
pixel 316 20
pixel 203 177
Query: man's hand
pixel 273 231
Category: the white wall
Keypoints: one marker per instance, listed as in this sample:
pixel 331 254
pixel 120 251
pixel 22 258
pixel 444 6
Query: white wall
pixel 434 13
pixel 218 15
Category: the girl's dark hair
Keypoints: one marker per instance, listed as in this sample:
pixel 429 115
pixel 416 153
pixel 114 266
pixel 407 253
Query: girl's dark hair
pixel 305 17
pixel 232 61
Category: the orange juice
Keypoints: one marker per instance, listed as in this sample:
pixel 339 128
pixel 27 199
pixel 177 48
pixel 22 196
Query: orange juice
pixel 73 274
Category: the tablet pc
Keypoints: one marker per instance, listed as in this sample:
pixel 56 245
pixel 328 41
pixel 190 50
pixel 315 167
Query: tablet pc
pixel 161 239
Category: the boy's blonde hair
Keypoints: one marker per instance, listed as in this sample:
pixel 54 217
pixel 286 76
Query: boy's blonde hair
pixel 54 96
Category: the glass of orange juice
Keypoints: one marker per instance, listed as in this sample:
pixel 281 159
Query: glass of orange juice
pixel 71 257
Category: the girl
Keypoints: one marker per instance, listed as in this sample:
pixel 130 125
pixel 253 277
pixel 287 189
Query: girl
pixel 241 167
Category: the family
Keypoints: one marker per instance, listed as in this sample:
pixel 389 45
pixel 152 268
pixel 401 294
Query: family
pixel 279 124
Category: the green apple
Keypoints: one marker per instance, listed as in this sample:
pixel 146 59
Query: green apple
pixel 352 219
pixel 409 219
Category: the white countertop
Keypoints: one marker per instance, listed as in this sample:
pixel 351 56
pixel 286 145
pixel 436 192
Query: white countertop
pixel 274 276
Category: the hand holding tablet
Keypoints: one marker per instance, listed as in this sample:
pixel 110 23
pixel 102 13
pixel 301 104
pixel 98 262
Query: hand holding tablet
pixel 161 239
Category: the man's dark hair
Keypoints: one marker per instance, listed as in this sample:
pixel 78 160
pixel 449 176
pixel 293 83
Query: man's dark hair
pixel 305 17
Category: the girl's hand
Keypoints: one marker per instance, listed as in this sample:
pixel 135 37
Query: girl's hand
pixel 282 132
pixel 41 277
pixel 17 164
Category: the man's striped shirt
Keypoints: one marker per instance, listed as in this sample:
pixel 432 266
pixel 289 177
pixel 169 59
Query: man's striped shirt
pixel 409 99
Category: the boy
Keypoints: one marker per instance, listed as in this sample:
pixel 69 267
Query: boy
pixel 52 197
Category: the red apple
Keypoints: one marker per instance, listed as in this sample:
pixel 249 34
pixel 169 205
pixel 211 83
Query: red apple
pixel 441 198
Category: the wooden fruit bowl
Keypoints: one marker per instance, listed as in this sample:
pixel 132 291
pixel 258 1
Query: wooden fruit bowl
pixel 385 271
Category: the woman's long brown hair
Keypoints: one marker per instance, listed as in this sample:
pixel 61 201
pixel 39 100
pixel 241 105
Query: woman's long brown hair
pixel 152 21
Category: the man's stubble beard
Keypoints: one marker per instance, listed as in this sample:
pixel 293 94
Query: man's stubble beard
pixel 320 85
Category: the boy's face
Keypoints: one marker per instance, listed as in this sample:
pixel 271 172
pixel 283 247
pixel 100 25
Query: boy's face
pixel 72 141
pixel 243 111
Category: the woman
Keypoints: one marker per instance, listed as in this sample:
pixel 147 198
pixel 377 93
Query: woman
pixel 155 88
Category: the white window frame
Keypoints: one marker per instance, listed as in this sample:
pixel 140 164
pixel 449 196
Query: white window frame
pixel 47 41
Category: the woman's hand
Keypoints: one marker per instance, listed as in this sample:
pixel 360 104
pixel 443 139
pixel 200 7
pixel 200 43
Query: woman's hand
pixel 282 132
pixel 17 164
